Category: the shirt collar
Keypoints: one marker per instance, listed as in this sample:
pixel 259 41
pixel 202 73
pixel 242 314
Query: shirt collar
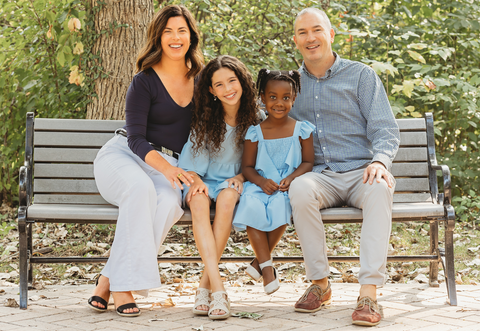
pixel 329 73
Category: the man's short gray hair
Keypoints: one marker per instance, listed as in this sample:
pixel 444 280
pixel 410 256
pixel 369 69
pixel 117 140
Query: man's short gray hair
pixel 313 10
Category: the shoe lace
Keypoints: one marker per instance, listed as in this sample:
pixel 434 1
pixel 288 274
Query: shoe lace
pixel 367 301
pixel 315 290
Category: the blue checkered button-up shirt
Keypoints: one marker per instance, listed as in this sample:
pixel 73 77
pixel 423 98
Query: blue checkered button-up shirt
pixel 354 121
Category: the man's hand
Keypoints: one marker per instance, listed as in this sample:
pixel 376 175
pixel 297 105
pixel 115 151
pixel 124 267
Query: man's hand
pixel 378 170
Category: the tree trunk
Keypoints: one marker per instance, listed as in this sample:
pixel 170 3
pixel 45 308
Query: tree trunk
pixel 118 49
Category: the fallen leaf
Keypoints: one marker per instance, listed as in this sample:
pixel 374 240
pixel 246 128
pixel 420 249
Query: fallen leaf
pixel 200 328
pixel 155 320
pixel 254 316
pixel 9 302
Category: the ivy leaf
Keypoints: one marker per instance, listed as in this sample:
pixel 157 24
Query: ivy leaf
pixel 381 67
pixel 408 86
pixel 61 58
pixel 418 46
pixel 417 56
pixel 397 88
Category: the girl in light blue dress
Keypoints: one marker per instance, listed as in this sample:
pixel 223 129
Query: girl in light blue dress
pixel 275 152
pixel 225 106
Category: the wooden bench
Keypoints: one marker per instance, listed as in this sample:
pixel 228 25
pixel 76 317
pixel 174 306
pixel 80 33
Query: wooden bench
pixel 57 185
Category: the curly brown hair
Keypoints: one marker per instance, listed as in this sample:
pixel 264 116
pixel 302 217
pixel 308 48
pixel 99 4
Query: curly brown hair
pixel 208 123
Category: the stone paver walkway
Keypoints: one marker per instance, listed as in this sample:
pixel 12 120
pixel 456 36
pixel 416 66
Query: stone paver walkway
pixel 405 307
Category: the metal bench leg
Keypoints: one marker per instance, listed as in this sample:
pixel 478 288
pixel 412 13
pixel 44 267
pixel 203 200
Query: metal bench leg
pixel 30 251
pixel 22 231
pixel 434 250
pixel 449 264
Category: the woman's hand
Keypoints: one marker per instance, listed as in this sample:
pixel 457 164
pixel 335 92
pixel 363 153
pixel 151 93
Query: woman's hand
pixel 237 183
pixel 198 186
pixel 285 184
pixel 176 175
pixel 268 186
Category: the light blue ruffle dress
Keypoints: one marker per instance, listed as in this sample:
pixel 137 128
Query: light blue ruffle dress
pixel 213 169
pixel 276 159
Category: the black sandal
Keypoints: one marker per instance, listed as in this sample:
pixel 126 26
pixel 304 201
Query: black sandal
pixel 98 299
pixel 128 306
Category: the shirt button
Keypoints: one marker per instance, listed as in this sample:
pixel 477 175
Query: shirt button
pixel 324 148
pixel 316 97
pixel 318 115
pixel 320 131
pixel 327 160
pixel 318 80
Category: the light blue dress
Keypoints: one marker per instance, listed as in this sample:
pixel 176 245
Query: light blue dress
pixel 214 169
pixel 276 159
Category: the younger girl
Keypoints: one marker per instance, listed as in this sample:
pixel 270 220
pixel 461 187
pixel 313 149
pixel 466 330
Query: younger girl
pixel 225 107
pixel 276 151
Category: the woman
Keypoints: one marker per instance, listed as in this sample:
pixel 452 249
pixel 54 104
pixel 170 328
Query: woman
pixel 137 169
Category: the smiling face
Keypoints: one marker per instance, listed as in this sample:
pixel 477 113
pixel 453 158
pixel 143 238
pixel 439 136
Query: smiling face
pixel 226 87
pixel 176 38
pixel 278 98
pixel 313 38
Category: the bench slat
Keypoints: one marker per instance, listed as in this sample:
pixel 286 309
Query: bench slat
pixel 412 197
pixel 81 199
pixel 64 186
pixel 408 154
pixel 73 139
pixel 408 169
pixel 411 124
pixel 44 185
pixel 85 155
pixel 59 170
pixel 413 139
pixel 66 170
pixel 55 124
pixel 96 199
pixel 77 125
pixel 110 213
pixel 412 185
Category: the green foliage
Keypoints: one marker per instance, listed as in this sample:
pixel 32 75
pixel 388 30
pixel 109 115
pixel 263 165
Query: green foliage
pixel 259 33
pixel 40 41
pixel 468 208
pixel 426 52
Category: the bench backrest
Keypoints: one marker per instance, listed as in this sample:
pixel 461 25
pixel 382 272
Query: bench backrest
pixel 64 151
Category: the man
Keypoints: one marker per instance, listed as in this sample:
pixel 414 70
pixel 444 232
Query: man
pixel 355 143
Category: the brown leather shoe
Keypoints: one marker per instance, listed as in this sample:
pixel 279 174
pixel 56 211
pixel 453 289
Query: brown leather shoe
pixel 366 312
pixel 313 299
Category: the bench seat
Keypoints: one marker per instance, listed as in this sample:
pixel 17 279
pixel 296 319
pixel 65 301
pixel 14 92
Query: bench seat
pixel 106 213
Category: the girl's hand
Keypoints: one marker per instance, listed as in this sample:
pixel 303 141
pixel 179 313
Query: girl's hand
pixel 198 186
pixel 285 184
pixel 268 186
pixel 236 182
pixel 176 175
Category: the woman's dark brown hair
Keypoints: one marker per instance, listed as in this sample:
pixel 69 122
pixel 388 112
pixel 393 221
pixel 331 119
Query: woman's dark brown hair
pixel 208 125
pixel 151 53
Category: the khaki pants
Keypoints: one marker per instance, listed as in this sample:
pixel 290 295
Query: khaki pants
pixel 313 191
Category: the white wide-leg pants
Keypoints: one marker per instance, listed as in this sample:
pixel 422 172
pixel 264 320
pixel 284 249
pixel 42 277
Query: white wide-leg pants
pixel 148 207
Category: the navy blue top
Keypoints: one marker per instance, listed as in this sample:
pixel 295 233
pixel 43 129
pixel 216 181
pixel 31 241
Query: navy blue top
pixel 153 116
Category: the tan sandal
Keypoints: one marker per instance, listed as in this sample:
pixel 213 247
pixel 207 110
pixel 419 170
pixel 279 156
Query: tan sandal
pixel 202 298
pixel 219 301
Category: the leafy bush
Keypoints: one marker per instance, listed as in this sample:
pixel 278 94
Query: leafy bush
pixel 426 52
